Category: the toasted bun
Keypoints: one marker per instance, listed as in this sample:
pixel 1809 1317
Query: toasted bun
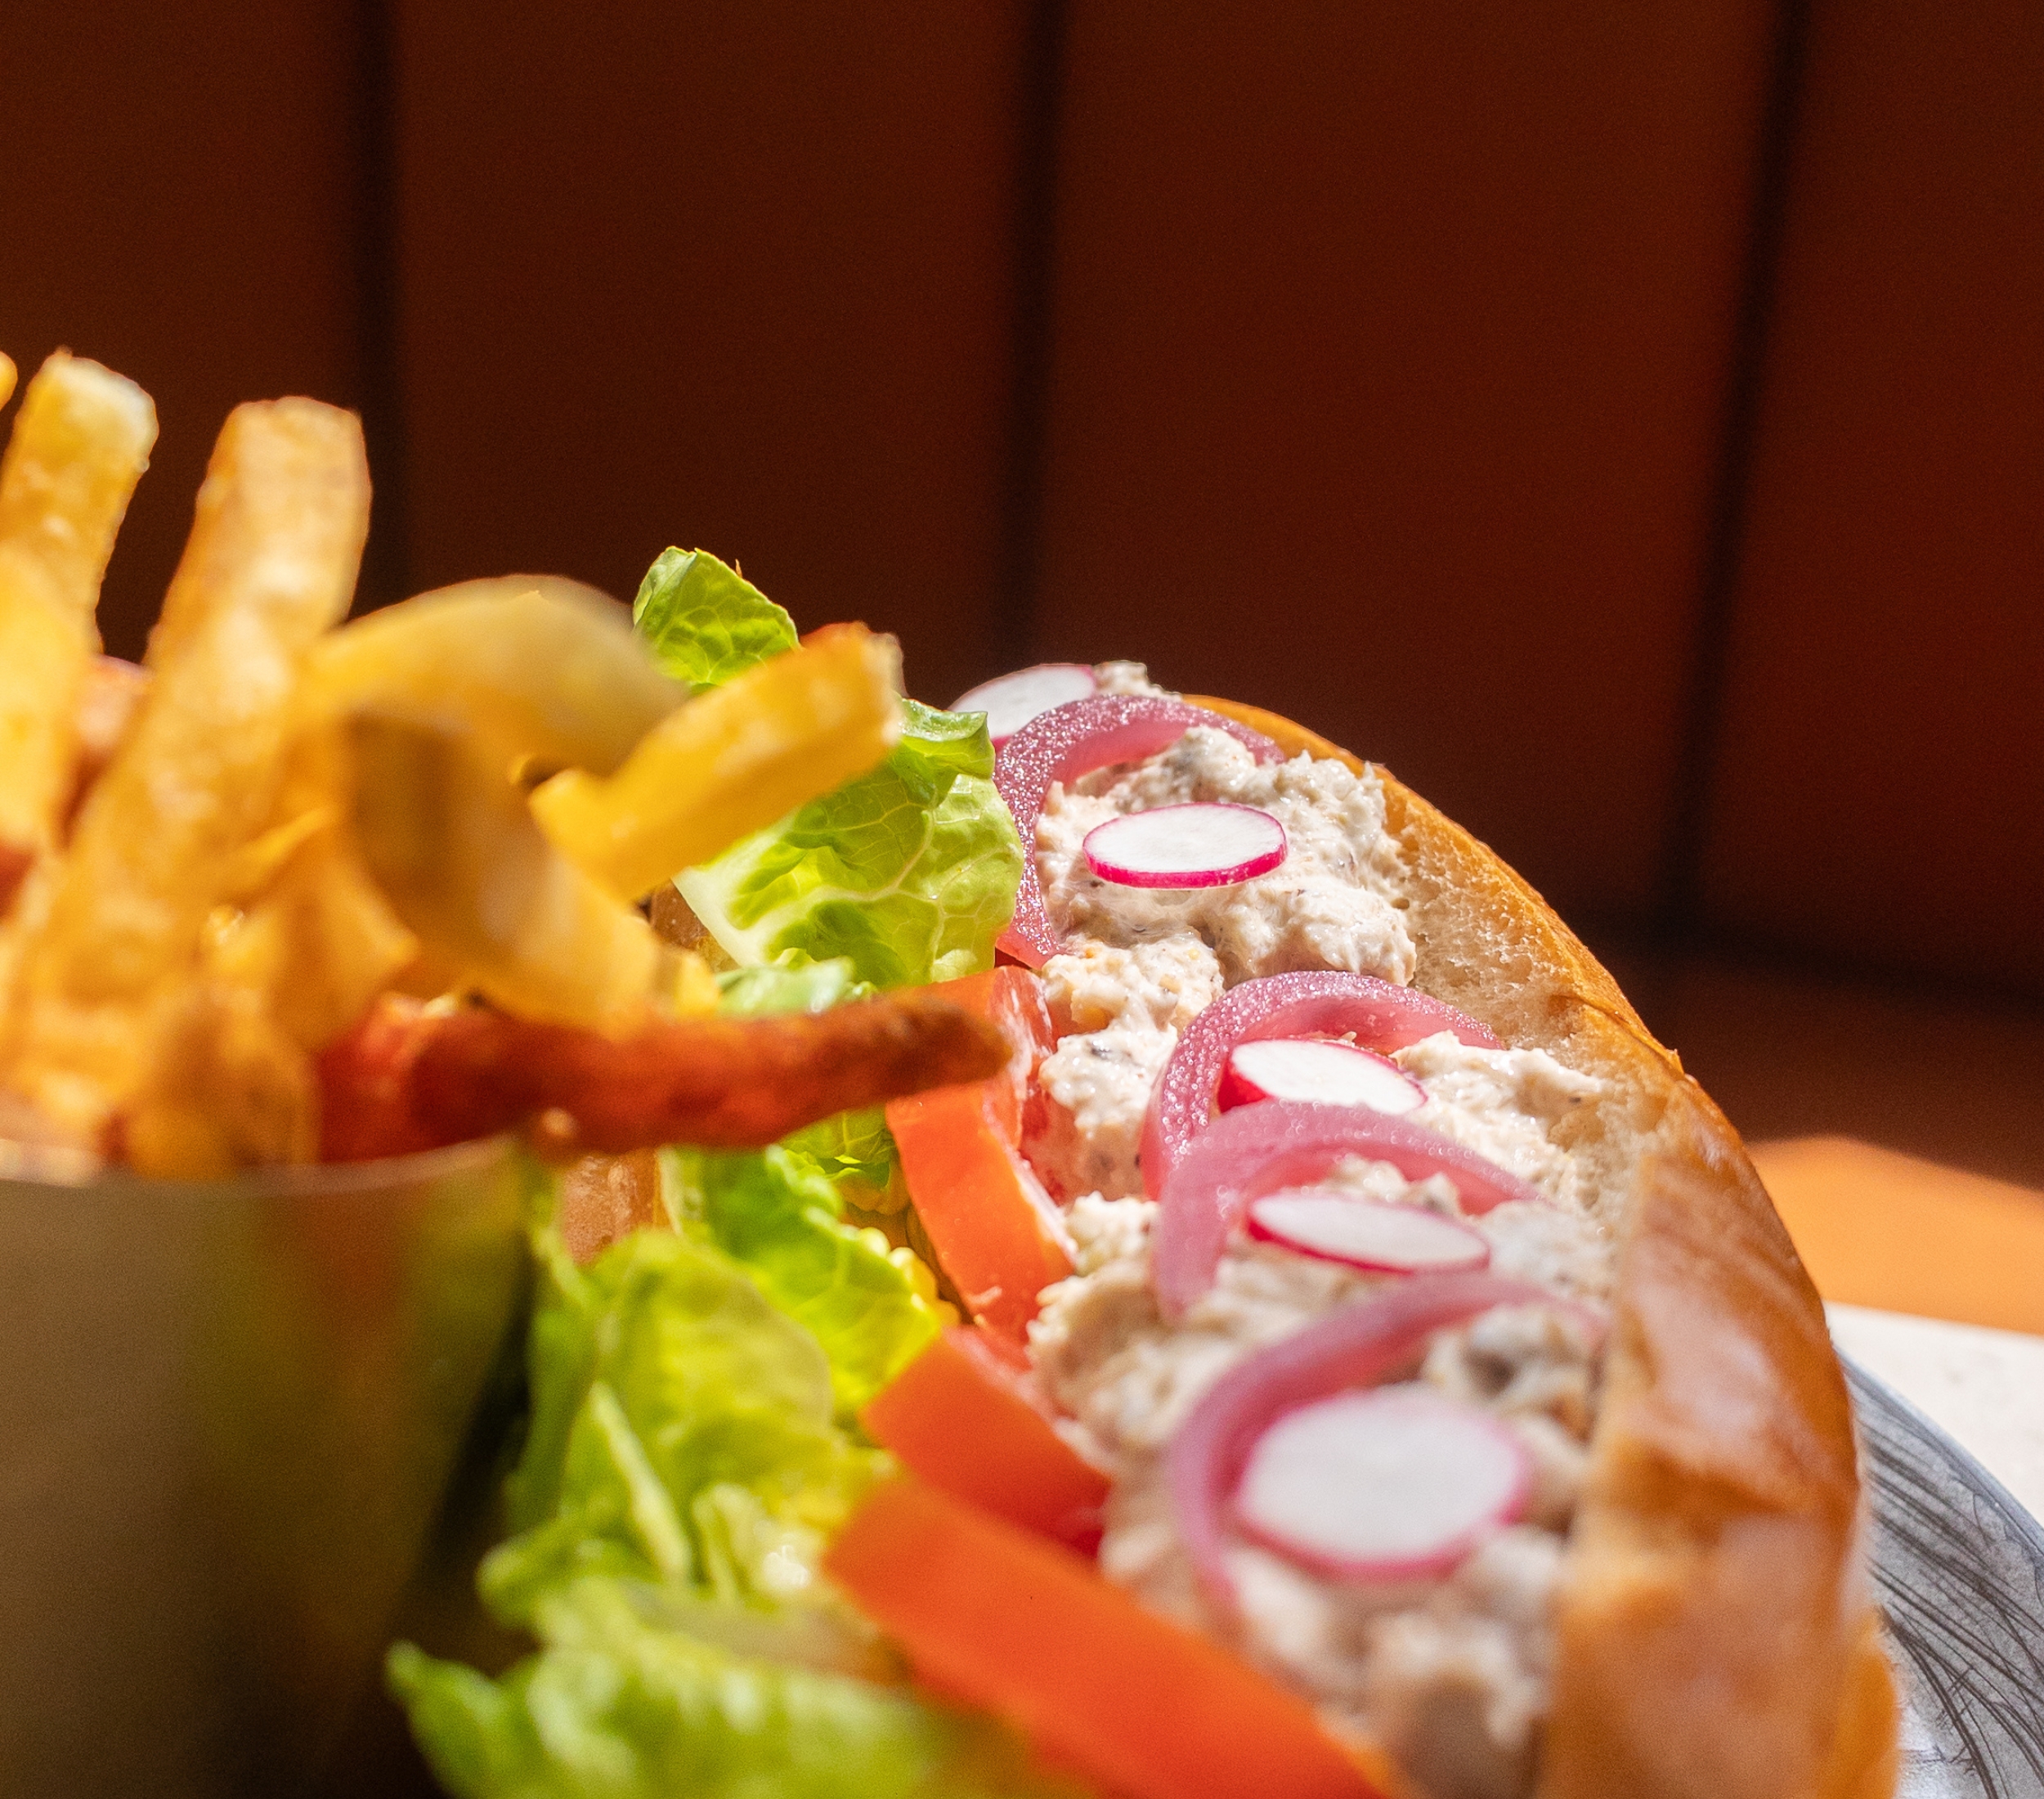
pixel 1717 1639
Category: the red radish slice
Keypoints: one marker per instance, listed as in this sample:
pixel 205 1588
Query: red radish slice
pixel 1367 1233
pixel 1379 1338
pixel 1388 1485
pixel 1207 844
pixel 1068 742
pixel 1326 1002
pixel 1257 1149
pixel 1010 701
pixel 1318 1069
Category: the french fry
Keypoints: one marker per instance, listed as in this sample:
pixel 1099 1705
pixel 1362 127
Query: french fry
pixel 108 698
pixel 731 761
pixel 228 1086
pixel 6 380
pixel 411 1077
pixel 548 672
pixel 451 840
pixel 80 443
pixel 269 564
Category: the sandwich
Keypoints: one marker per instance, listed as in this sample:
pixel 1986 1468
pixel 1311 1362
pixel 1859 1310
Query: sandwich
pixel 1376 1365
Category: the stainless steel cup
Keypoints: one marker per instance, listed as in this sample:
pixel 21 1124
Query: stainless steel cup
pixel 228 1412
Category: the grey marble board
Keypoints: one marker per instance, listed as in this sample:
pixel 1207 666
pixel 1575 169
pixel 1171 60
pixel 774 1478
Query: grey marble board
pixel 1959 1568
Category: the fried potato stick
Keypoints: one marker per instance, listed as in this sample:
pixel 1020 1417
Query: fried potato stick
pixel 408 1080
pixel 80 443
pixel 269 564
pixel 450 839
pixel 303 943
pixel 7 380
pixel 548 672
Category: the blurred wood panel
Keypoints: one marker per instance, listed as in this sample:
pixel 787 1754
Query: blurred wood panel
pixel 179 194
pixel 1880 792
pixel 731 275
pixel 1390 353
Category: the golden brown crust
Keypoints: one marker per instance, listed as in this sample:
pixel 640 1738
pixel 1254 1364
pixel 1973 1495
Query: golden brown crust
pixel 1716 1639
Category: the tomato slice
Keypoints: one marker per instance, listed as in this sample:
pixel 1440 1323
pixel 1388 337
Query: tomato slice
pixel 960 1416
pixel 1027 1630
pixel 995 1230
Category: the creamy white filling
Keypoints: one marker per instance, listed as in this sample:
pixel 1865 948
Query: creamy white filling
pixel 1450 1673
pixel 1334 904
pixel 1146 963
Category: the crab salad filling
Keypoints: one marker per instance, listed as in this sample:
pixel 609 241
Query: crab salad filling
pixel 1447 1666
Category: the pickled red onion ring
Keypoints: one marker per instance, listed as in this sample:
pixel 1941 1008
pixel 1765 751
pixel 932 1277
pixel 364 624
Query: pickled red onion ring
pixel 1258 1149
pixel 1360 1345
pixel 1073 740
pixel 1323 1003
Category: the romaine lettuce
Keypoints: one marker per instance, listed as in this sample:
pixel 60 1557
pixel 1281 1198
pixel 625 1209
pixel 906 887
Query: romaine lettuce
pixel 779 1215
pixel 908 872
pixel 617 1706
pixel 682 1471
pixel 705 622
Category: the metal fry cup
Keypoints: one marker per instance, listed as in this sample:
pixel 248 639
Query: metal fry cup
pixel 229 1412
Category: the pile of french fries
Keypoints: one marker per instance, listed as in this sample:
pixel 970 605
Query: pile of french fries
pixel 247 889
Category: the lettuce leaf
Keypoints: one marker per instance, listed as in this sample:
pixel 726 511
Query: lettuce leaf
pixel 618 1707
pixel 682 1432
pixel 907 872
pixel 681 1473
pixel 779 1214
pixel 810 987
pixel 706 622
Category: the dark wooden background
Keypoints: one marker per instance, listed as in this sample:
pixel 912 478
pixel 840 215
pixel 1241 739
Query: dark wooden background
pixel 1624 420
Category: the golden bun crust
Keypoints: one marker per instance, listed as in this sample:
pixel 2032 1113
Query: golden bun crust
pixel 1716 1640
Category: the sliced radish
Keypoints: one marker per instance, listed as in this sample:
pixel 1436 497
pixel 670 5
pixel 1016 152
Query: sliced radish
pixel 1318 1069
pixel 1367 1233
pixel 1257 1149
pixel 1321 1001
pixel 1074 739
pixel 1010 701
pixel 1209 844
pixel 1385 1484
pixel 1379 1338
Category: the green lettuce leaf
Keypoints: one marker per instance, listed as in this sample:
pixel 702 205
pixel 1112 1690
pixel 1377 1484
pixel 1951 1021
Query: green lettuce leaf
pixel 773 987
pixel 779 1215
pixel 706 622
pixel 682 1433
pixel 908 872
pixel 681 1473
pixel 617 1706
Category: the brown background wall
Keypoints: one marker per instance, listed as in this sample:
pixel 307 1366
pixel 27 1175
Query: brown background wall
pixel 1422 371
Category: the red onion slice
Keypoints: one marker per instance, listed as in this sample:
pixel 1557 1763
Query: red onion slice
pixel 1260 1149
pixel 1207 844
pixel 1379 1338
pixel 1367 1233
pixel 1010 701
pixel 1073 740
pixel 1327 1003
pixel 1323 1070
pixel 1393 1484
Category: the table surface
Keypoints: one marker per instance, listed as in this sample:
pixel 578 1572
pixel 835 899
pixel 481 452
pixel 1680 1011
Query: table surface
pixel 1934 1279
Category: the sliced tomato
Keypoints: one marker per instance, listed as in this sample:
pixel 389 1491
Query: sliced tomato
pixel 1013 999
pixel 992 1226
pixel 1032 1632
pixel 994 1229
pixel 960 1416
